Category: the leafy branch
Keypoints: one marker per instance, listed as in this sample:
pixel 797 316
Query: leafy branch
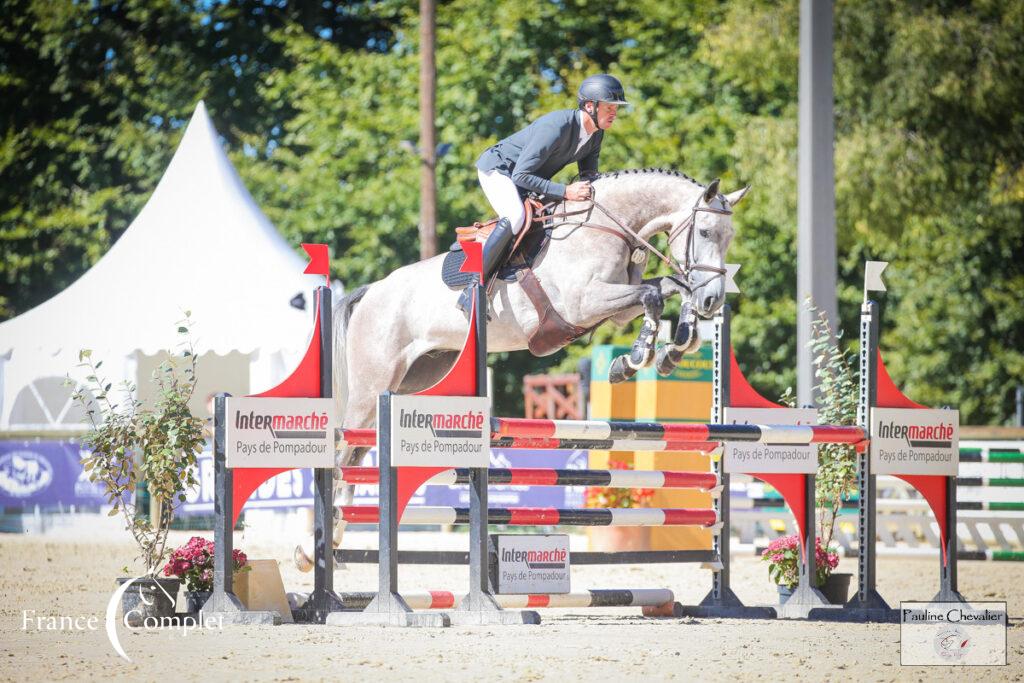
pixel 130 444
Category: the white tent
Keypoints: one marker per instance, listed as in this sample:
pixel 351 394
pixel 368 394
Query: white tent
pixel 200 244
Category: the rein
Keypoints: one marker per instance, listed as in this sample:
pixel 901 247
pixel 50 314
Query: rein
pixel 631 238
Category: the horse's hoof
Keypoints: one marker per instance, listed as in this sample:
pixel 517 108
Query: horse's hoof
pixel 620 370
pixel 302 559
pixel 668 359
pixel 694 345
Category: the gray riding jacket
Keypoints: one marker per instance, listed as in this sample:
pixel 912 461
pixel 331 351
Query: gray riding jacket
pixel 533 155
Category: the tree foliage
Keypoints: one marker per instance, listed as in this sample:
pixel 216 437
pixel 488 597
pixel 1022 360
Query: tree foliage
pixel 314 99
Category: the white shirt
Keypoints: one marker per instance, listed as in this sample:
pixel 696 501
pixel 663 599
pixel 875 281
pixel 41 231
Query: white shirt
pixel 584 135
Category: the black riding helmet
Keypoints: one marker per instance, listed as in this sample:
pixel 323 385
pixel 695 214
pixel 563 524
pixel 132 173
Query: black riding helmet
pixel 600 88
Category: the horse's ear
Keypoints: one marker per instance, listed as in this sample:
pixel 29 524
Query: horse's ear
pixel 711 192
pixel 734 197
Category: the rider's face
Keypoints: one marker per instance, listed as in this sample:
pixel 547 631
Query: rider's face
pixel 606 114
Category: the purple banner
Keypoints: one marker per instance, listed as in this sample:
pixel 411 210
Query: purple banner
pixel 294 489
pixel 45 473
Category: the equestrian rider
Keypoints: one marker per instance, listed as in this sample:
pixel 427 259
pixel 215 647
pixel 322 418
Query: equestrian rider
pixel 525 162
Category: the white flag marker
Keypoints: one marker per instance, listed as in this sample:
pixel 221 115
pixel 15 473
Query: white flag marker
pixel 730 278
pixel 873 277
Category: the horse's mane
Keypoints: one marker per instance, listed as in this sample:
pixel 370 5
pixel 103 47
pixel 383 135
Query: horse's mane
pixel 646 171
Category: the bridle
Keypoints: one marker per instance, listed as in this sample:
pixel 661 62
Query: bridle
pixel 636 243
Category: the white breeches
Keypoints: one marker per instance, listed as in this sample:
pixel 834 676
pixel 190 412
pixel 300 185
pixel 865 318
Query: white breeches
pixel 503 195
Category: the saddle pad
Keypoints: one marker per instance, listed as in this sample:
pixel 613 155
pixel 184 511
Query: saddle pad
pixel 451 276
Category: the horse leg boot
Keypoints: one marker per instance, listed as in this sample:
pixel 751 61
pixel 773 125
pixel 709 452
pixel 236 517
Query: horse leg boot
pixel 495 252
pixel 686 340
pixel 642 353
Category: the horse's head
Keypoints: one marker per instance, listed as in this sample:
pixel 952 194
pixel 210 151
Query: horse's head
pixel 699 243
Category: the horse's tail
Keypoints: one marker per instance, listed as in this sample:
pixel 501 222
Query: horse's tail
pixel 342 313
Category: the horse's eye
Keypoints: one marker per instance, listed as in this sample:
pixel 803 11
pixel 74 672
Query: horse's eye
pixel 705 233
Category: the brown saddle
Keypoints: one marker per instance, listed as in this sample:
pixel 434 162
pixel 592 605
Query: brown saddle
pixel 553 332
pixel 480 231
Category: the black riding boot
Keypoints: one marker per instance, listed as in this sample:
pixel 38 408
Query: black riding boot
pixel 495 252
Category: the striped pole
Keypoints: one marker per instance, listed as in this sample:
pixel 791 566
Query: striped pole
pixel 632 597
pixel 989 481
pixel 993 505
pixel 772 504
pixel 366 514
pixel 526 476
pixel 991 555
pixel 545 443
pixel 991 455
pixel 522 433
pixel 674 432
pixel 368 437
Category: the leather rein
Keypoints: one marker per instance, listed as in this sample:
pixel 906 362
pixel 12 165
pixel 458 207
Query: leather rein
pixel 635 242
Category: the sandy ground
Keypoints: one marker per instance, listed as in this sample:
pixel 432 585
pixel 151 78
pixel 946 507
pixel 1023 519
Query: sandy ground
pixel 68 574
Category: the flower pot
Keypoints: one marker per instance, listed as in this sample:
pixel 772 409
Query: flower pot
pixel 149 601
pixel 611 539
pixel 836 588
pixel 194 600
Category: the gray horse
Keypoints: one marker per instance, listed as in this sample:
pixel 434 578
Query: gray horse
pixel 402 333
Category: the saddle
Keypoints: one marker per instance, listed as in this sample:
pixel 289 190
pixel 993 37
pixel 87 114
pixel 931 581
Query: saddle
pixel 553 332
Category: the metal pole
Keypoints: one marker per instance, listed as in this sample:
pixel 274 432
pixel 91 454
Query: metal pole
pixel 480 591
pixel 948 589
pixel 324 600
pixel 816 229
pixel 720 392
pixel 223 598
pixel 867 597
pixel 1020 405
pixel 428 136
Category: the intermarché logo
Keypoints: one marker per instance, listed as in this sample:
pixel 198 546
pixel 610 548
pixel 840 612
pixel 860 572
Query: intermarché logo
pixel 311 426
pixel 918 436
pixel 469 424
pixel 536 559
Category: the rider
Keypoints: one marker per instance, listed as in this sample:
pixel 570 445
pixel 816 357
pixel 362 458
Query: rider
pixel 525 162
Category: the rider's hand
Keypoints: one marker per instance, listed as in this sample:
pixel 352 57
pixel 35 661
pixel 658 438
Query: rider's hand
pixel 577 192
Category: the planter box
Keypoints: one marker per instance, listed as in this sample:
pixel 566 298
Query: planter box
pixel 147 600
pixel 836 589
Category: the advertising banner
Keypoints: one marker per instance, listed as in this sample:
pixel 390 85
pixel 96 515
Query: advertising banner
pixel 915 441
pixel 279 432
pixel 530 563
pixel 740 457
pixel 440 431
pixel 46 473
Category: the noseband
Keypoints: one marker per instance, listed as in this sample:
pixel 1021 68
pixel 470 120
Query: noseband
pixel 690 264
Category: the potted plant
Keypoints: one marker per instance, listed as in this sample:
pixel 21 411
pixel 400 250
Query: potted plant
pixel 192 563
pixel 616 538
pixel 836 478
pixel 783 558
pixel 128 444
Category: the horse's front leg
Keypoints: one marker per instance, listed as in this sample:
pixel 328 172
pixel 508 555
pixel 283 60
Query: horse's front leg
pixel 668 285
pixel 616 301
pixel 686 340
